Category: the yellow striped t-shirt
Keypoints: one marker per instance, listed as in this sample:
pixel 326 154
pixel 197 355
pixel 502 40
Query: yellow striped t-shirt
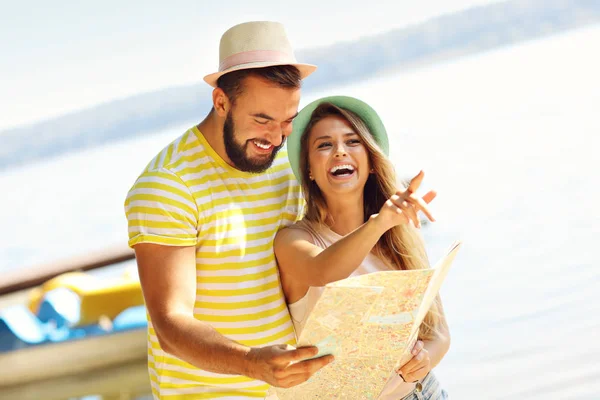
pixel 189 196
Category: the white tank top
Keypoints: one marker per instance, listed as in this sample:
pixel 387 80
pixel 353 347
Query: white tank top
pixel 324 237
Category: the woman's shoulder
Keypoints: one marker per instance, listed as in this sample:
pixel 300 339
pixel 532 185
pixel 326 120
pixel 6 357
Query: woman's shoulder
pixel 302 224
pixel 289 240
pixel 314 232
pixel 298 229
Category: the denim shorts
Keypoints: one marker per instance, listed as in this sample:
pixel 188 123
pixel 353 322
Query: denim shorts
pixel 429 388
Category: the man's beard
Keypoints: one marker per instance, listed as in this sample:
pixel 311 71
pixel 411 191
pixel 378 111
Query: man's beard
pixel 237 152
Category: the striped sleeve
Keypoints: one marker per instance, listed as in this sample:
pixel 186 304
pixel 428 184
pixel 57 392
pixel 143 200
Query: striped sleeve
pixel 301 208
pixel 160 209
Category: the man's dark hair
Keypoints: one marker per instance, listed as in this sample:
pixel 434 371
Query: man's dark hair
pixel 285 76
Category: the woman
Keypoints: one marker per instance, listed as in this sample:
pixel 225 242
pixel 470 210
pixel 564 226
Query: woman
pixel 356 222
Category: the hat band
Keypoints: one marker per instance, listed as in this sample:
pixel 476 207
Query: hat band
pixel 256 56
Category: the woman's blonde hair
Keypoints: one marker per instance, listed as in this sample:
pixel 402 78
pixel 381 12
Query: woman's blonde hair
pixel 400 247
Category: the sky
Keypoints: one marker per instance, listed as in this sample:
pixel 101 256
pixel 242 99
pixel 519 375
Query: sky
pixel 62 56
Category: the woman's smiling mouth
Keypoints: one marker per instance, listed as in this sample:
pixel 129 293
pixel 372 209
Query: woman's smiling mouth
pixel 342 171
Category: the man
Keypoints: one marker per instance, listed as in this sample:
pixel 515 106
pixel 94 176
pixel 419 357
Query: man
pixel 202 218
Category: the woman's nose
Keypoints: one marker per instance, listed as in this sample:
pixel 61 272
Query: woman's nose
pixel 340 150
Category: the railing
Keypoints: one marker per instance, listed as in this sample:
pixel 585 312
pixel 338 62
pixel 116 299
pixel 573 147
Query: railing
pixel 25 278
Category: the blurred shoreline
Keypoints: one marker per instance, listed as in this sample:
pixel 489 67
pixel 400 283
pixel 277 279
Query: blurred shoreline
pixel 441 39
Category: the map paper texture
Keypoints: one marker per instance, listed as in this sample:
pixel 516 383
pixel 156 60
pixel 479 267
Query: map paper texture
pixel 370 324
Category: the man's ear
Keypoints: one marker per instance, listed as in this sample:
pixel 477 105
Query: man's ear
pixel 221 102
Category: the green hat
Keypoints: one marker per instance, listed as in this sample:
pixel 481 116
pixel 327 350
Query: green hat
pixel 365 112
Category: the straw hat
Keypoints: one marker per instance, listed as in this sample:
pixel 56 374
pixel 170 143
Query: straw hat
pixel 364 111
pixel 256 44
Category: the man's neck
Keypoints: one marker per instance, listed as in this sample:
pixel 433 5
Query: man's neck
pixel 212 130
